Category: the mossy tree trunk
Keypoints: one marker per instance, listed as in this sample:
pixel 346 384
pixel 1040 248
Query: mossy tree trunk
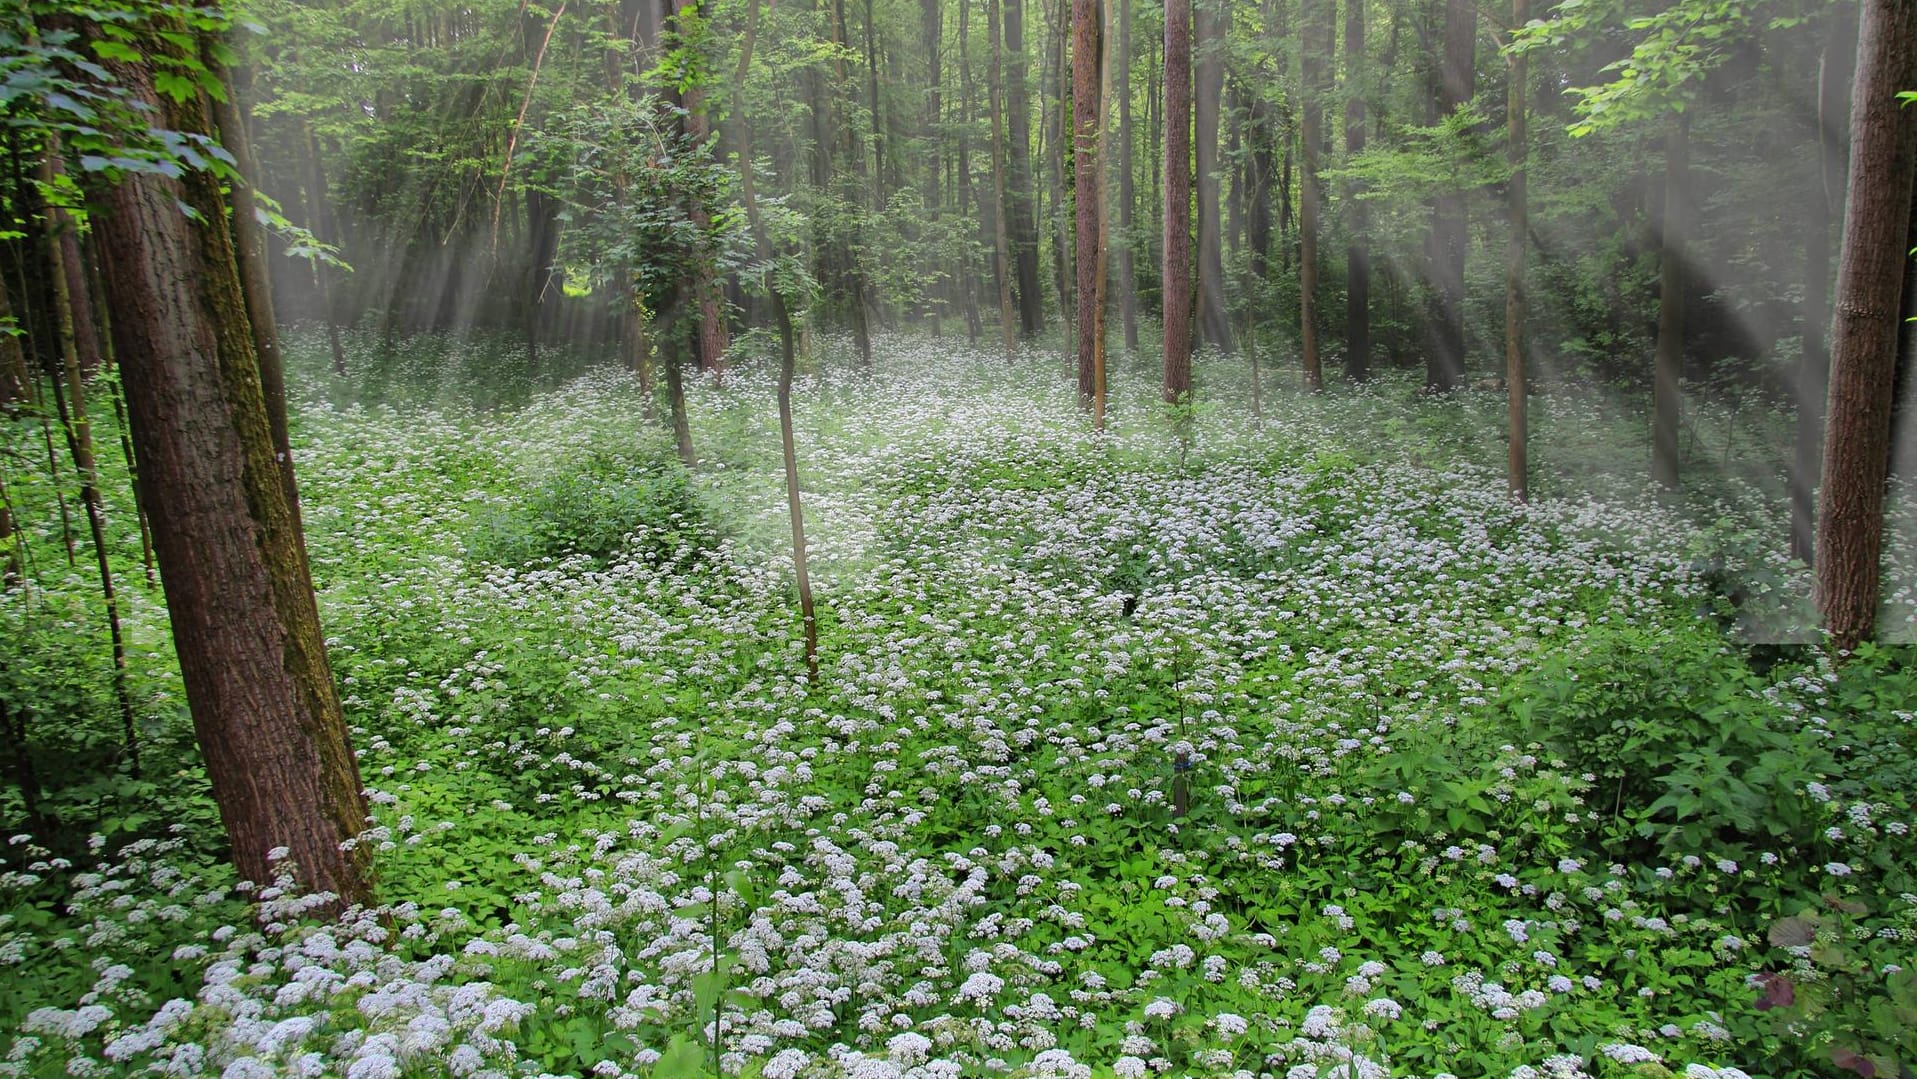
pixel 232 560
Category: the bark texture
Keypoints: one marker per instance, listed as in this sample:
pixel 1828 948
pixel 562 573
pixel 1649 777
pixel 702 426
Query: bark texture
pixel 1863 355
pixel 238 589
pixel 1177 249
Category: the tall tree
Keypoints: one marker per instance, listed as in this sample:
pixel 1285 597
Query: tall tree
pixel 1087 62
pixel 1176 277
pixel 1002 204
pixel 1813 364
pixel 1517 148
pixel 1019 205
pixel 1357 253
pixel 713 336
pixel 1863 355
pixel 1315 28
pixel 232 559
pixel 1212 26
pixel 1668 363
pixel 1445 246
pixel 1127 281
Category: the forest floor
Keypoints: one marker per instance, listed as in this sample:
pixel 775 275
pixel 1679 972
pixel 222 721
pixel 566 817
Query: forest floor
pixel 1200 747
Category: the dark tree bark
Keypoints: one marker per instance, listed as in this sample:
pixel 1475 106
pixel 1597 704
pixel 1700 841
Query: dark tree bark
pixel 249 251
pixel 245 624
pixel 1022 223
pixel 16 384
pixel 1261 174
pixel 1863 356
pixel 1087 61
pixel 713 336
pixel 1176 278
pixel 1517 467
pixel 1212 24
pixel 1053 138
pixel 1127 280
pixel 1357 251
pixel 1444 365
pixel 68 380
pixel 1668 372
pixel 1002 205
pixel 676 400
pixel 1315 30
pixel 872 104
pixel 968 194
pixel 1813 365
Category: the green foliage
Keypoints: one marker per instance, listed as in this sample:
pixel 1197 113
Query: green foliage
pixel 1673 48
pixel 1684 745
pixel 647 203
pixel 601 506
pixel 53 83
pixel 1849 995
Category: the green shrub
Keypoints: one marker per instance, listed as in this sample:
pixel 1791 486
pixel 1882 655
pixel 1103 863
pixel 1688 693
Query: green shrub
pixel 1684 741
pixel 599 506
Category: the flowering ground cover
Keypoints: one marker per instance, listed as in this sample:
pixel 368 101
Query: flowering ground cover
pixel 1197 748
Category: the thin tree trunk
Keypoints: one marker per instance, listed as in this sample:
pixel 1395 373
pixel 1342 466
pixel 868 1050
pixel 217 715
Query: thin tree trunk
pixel 878 135
pixel 1087 63
pixel 16 384
pixel 1002 209
pixel 1870 274
pixel 1055 139
pixel 1127 280
pixel 1212 24
pixel 1315 31
pixel 968 192
pixel 1666 384
pixel 319 220
pixel 676 397
pixel 1017 206
pixel 71 406
pixel 1444 368
pixel 1177 272
pixel 1813 365
pixel 1357 250
pixel 792 503
pixel 713 336
pixel 1517 147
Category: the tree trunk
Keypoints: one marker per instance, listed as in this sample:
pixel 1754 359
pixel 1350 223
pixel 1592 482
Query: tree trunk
pixel 794 509
pixel 1315 30
pixel 319 221
pixel 245 624
pixel 1055 139
pixel 1444 368
pixel 16 384
pixel 1177 272
pixel 1017 206
pixel 1261 173
pixel 1517 148
pixel 1813 367
pixel 1863 357
pixel 249 251
pixel 1127 280
pixel 872 103
pixel 968 194
pixel 1668 373
pixel 1357 252
pixel 1212 25
pixel 1002 207
pixel 713 336
pixel 676 398
pixel 1087 62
